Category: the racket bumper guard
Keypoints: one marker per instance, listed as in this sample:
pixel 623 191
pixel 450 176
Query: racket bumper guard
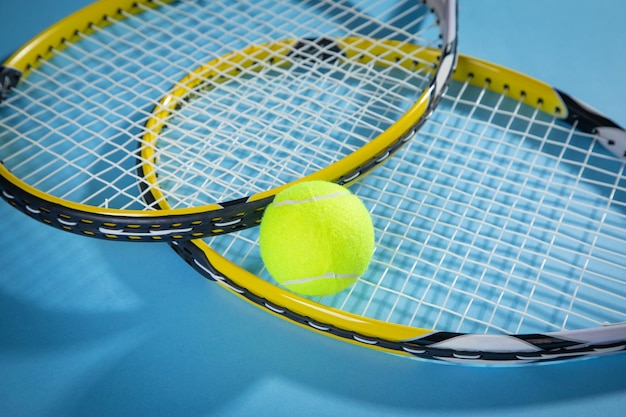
pixel 9 78
pixel 613 139
pixel 610 134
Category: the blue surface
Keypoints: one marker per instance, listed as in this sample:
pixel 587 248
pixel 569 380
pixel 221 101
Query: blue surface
pixel 99 328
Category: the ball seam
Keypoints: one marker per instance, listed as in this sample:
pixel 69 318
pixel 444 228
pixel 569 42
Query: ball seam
pixel 310 199
pixel 329 275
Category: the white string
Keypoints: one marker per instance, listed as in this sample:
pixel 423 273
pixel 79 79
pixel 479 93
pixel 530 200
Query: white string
pixel 75 124
pixel 483 225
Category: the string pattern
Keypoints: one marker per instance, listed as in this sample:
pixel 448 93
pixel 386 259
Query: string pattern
pixel 74 126
pixel 495 218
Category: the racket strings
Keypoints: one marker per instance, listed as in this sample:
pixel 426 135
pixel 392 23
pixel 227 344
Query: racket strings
pixel 84 161
pixel 74 127
pixel 511 219
pixel 335 121
pixel 308 129
pixel 528 241
pixel 75 164
pixel 495 218
pixel 243 143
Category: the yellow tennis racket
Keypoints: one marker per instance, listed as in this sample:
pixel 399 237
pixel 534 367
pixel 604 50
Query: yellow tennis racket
pixel 232 92
pixel 499 234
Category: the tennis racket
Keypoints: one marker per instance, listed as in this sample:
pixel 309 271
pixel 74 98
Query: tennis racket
pixel 231 92
pixel 499 234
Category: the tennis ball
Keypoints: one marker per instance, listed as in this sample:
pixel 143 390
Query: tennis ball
pixel 316 238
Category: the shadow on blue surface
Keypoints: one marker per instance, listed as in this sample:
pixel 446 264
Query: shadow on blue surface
pixel 168 342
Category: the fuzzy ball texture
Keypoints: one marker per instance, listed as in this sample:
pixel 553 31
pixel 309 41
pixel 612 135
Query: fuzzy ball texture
pixel 316 238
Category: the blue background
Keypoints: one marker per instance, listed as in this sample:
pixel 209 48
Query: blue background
pixel 97 328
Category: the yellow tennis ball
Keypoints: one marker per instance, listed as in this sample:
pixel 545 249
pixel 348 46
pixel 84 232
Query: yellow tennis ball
pixel 316 238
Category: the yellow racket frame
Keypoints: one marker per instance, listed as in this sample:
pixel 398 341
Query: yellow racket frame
pixel 276 300
pixel 194 222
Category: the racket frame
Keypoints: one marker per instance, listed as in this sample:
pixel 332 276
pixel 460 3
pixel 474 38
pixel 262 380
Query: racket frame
pixel 500 349
pixel 169 224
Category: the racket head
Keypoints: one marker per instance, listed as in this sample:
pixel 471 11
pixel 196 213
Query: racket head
pixel 80 121
pixel 498 231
